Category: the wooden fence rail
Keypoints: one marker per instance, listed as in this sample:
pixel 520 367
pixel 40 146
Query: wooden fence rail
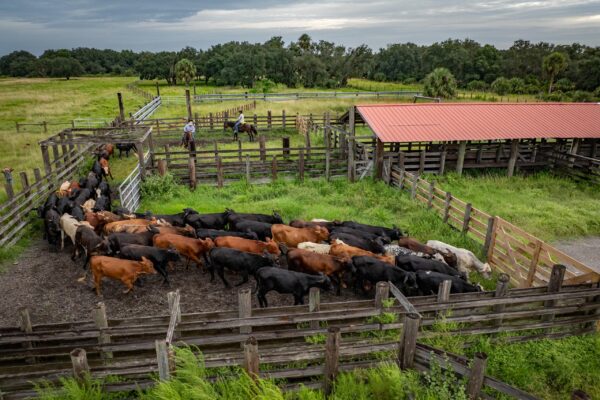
pixel 527 259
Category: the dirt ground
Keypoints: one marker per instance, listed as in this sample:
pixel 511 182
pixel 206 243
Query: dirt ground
pixel 46 283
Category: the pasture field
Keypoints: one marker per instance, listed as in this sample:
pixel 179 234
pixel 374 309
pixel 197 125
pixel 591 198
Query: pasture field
pixel 548 206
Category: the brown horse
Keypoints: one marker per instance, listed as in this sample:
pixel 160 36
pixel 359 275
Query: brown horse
pixel 188 142
pixel 248 128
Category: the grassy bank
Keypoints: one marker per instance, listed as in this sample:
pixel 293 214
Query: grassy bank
pixel 543 204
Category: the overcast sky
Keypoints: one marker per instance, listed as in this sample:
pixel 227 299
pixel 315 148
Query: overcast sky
pixel 36 25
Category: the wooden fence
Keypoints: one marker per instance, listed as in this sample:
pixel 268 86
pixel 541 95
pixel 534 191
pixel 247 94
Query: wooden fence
pixel 527 259
pixel 133 348
pixel 140 92
pixel 576 166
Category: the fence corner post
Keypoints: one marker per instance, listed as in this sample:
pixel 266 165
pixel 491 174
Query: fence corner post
pixel 476 376
pixel 408 341
pixel 80 364
pixel 382 293
pixel 314 305
pixel 162 358
pixel 251 357
pixel 332 352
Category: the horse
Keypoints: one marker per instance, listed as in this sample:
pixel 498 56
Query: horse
pixel 188 142
pixel 248 128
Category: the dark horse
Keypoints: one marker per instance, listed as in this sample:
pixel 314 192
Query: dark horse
pixel 249 129
pixel 188 142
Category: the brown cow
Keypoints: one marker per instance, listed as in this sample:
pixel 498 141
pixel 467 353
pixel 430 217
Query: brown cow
pixel 186 231
pixel 415 245
pixel 126 271
pixel 190 248
pixel 248 245
pixel 291 236
pixel 341 249
pixel 130 226
pixel 105 167
pixel 314 263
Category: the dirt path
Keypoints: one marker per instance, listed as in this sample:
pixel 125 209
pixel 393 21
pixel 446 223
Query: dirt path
pixel 47 284
pixel 586 250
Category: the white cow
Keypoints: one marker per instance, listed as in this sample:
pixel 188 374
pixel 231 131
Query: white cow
pixel 466 260
pixel 68 226
pixel 396 250
pixel 315 247
pixel 88 206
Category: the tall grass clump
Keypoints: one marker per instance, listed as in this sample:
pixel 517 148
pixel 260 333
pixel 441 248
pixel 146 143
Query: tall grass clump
pixel 157 187
pixel 70 389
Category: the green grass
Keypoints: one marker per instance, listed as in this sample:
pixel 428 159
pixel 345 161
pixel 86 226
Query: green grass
pixel 543 204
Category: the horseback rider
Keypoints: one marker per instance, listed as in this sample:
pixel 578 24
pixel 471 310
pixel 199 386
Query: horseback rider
pixel 238 122
pixel 188 133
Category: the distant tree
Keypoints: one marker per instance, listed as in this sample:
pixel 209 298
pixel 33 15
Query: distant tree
pixel 564 85
pixel 65 67
pixel 501 86
pixel 17 63
pixel 379 76
pixel 517 85
pixel 553 65
pixel 477 86
pixel 440 83
pixel 185 70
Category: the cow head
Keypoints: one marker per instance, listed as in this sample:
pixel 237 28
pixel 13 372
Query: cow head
pixel 147 266
pixel 324 282
pixel 396 233
pixel 450 259
pixel 189 231
pixel 273 247
pixel 207 243
pixel 277 217
pixel 321 232
pixel 486 271
pixel 409 284
pixel 103 247
pixel 377 246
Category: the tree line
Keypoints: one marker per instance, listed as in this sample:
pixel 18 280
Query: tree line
pixel 525 67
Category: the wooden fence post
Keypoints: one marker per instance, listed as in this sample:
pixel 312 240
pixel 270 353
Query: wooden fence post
pixel 488 235
pixel 219 173
pixel 285 143
pixel 501 289
pixel 467 219
pixel 25 325
pixel 533 264
pixel 251 357
pixel 99 316
pixel 430 194
pixel 476 376
pixel 188 104
pixel 10 192
pixel 162 358
pixel 274 169
pixel 554 286
pixel 382 292
pixel 413 189
pixel 171 299
pixel 121 107
pixel 247 168
pixel 379 152
pixel 81 368
pixel 401 160
pixel 245 308
pixel 314 305
pixel 408 341
pixel 162 167
pixel 255 120
pixel 350 150
pixel 327 163
pixel 17 124
pixel 401 179
pixel 332 353
pixel 301 166
pixel 46 158
pixel 269 119
pixel 261 143
pixel 192 171
pixel 444 291
pixel 283 119
pixel 442 163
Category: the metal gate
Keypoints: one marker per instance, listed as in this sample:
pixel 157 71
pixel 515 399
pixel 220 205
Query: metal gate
pixel 130 190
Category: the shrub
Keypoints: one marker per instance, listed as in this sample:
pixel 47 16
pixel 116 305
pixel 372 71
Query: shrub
pixel 477 86
pixel 581 96
pixel 440 83
pixel 501 86
pixel 517 86
pixel 379 77
pixel 159 187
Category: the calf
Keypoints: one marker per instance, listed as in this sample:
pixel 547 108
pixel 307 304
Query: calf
pixel 414 264
pixel 220 258
pixel 126 271
pixel 129 225
pixel 92 181
pixel 232 216
pixel 429 283
pixel 208 221
pixel 361 234
pixel 68 226
pixel 465 260
pixel 190 248
pixel 370 269
pixel 89 243
pixel 340 249
pixel 374 246
pixel 176 230
pixel 89 205
pixel 173 219
pixel 291 236
pixel 104 189
pixel 262 229
pixel 52 227
pixel 215 233
pixel 64 205
pixel 105 167
pixel 117 240
pixel 159 257
pixel 330 225
pixel 126 147
pixel 319 248
pixel 393 233
pixel 82 196
pixel 248 245
pixel 97 170
pixel 102 204
pixel 78 213
pixel 49 204
pixel 287 282
pixel 417 246
pixel 313 263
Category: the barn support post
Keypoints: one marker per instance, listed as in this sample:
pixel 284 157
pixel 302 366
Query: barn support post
pixel 251 357
pixel 408 341
pixel 379 149
pixel 314 305
pixel 162 358
pixel 444 291
pixel 442 162
pixel 514 153
pixel 188 104
pixel 81 368
pixel 421 162
pixel 554 286
pixel 26 327
pixel 476 376
pixel 401 160
pixel 121 107
pixel 332 354
pixel 460 162
pixel 99 316
pixel 351 144
pixel 501 289
pixel 382 293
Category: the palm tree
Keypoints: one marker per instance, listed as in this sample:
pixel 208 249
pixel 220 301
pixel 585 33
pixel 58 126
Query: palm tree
pixel 440 83
pixel 554 64
pixel 185 70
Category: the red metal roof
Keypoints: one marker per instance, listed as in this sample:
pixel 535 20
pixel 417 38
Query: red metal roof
pixel 481 121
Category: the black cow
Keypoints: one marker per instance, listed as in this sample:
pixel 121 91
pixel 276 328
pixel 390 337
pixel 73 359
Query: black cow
pixel 159 257
pixel 415 263
pixel 360 234
pixel 271 219
pixel 52 227
pixel 92 181
pixel 208 221
pixel 90 243
pixel 173 219
pixel 393 233
pixel 97 170
pixel 117 240
pixel 64 205
pixel 220 258
pixel 365 268
pixel 82 196
pixel 102 204
pixel 262 229
pixel 213 233
pixel 104 188
pixel 122 211
pixel 374 246
pixel 51 202
pixel 429 283
pixel 126 147
pixel 284 281
pixel 77 213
